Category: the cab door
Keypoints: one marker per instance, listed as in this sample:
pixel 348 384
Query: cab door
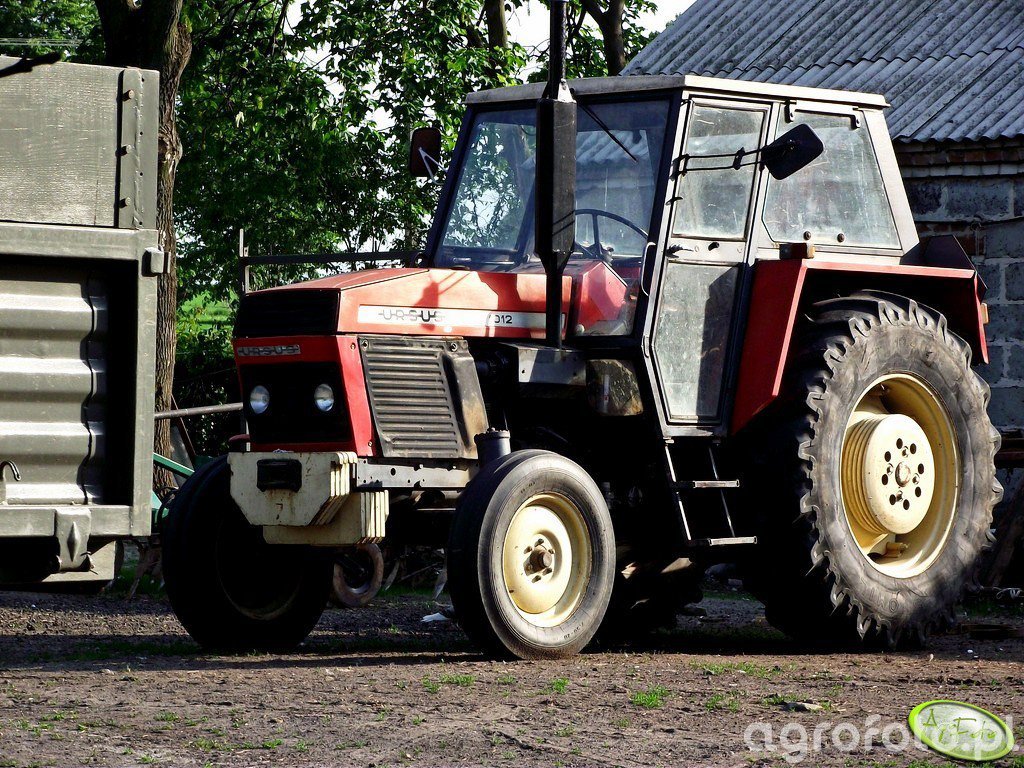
pixel 705 257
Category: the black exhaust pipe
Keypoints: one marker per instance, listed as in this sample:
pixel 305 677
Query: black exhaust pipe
pixel 555 198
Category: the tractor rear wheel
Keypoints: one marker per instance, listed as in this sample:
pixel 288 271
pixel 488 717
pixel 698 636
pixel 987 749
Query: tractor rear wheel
pixel 230 589
pixel 531 558
pixel 873 479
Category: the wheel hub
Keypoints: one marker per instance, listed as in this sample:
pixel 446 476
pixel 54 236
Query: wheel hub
pixel 889 470
pixel 545 561
pixel 541 560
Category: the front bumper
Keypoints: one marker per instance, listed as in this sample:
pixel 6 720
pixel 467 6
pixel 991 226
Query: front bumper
pixel 327 498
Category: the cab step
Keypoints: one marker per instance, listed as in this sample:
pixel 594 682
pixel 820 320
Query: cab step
pixel 730 541
pixel 698 485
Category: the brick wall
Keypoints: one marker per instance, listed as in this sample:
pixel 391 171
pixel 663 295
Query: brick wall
pixel 975 191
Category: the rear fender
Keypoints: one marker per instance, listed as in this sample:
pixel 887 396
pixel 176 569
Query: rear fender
pixel 783 290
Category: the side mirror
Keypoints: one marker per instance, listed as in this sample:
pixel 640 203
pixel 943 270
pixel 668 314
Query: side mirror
pixel 793 150
pixel 425 153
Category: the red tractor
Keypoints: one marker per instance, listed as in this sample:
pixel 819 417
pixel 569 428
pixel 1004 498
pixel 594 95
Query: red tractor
pixel 660 323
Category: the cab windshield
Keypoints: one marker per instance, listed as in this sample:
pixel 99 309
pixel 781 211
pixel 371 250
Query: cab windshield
pixel 489 225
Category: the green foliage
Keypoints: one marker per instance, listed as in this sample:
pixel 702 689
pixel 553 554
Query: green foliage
pixel 204 370
pixel 68 25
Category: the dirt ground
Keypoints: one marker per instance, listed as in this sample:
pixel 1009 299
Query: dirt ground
pixel 103 681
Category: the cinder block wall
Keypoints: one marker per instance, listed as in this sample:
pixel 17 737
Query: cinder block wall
pixel 975 192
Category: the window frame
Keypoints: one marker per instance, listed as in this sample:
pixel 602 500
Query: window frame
pixel 693 103
pixel 785 120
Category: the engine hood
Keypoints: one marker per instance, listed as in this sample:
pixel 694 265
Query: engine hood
pixel 427 301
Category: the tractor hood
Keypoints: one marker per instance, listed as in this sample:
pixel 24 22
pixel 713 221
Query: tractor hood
pixel 429 302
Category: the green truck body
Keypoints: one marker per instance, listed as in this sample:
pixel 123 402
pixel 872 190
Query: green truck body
pixel 79 258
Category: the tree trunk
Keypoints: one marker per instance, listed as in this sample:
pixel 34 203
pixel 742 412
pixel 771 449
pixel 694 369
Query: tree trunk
pixel 497 28
pixel 610 23
pixel 153 35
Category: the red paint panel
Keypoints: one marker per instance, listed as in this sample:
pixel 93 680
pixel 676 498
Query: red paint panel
pixel 773 306
pixel 782 288
pixel 343 351
pixel 599 296
pixel 411 295
pixel 355 396
pixel 313 349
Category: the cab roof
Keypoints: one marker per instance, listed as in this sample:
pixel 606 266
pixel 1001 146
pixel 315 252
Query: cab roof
pixel 693 83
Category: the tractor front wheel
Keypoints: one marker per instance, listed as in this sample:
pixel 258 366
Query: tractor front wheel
pixel 873 480
pixel 230 589
pixel 531 559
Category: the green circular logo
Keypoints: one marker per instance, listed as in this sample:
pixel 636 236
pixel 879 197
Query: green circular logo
pixel 961 731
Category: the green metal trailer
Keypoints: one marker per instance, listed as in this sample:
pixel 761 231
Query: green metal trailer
pixel 79 260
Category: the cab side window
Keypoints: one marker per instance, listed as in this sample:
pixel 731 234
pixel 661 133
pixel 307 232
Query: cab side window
pixel 712 196
pixel 840 197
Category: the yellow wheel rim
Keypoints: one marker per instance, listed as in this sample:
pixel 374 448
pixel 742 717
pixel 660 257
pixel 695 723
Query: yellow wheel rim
pixel 900 475
pixel 546 559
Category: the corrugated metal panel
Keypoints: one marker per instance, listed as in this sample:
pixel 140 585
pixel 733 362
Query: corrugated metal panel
pixel 952 69
pixel 54 384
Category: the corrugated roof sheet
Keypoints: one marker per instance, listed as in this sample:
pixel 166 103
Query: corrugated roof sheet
pixel 952 69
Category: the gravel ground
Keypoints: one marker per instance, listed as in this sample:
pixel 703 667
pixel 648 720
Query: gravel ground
pixel 103 681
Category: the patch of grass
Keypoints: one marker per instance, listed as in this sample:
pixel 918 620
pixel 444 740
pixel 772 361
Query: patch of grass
pixel 508 754
pixel 722 701
pixel 417 720
pixel 652 698
pixel 382 715
pixel 462 680
pixel 507 680
pixel 777 700
pixel 167 717
pixel 565 731
pixel 622 722
pixel 147 759
pixel 206 745
pixel 271 744
pixel 1017 762
pixel 558 685
pixel 57 716
pixel 301 746
pixel 430 686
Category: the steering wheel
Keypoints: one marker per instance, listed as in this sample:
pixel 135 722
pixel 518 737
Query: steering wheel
pixel 597 250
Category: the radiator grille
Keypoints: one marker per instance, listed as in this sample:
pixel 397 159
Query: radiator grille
pixel 291 312
pixel 410 396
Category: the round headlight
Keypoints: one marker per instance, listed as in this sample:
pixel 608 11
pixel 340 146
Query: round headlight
pixel 259 399
pixel 323 396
